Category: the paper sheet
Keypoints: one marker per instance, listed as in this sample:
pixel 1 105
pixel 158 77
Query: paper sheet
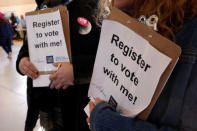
pixel 127 69
pixel 46 43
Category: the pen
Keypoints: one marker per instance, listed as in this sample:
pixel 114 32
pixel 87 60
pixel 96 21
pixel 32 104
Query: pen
pixel 58 67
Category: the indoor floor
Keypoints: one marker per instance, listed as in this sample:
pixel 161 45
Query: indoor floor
pixel 13 105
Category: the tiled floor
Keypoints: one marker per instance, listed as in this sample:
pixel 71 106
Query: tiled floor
pixel 12 93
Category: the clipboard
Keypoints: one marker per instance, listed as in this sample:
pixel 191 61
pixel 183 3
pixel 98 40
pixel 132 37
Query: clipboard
pixel 159 42
pixel 65 23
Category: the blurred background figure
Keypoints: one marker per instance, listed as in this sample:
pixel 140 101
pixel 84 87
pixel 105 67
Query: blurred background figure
pixel 13 22
pixel 23 24
pixel 5 35
pixel 2 15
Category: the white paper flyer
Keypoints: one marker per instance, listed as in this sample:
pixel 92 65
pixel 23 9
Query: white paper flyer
pixel 46 43
pixel 127 69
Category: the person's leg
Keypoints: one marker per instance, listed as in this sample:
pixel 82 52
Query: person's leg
pixel 69 105
pixel 46 120
pixel 32 114
pixel 52 121
pixel 74 99
pixel 17 33
pixel 83 101
pixel 33 109
pixel 31 118
pixel 24 36
pixel 9 44
pixel 50 112
pixel 3 42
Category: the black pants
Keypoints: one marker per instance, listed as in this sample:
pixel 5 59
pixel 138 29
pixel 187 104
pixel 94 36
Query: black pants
pixel 38 99
pixel 74 99
pixel 71 102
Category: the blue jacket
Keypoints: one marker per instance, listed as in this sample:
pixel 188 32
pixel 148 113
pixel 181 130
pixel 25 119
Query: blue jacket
pixel 176 108
pixel 5 31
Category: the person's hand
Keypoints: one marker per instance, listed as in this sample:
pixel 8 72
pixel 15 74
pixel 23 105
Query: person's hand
pixel 64 76
pixel 27 68
pixel 91 107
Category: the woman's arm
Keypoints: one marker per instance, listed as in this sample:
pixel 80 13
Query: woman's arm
pixel 104 118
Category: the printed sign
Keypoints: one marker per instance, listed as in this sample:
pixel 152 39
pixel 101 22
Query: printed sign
pixel 46 43
pixel 127 69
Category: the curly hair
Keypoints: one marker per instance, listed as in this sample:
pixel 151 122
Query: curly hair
pixel 172 13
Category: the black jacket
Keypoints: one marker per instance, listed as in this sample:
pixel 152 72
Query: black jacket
pixel 83 47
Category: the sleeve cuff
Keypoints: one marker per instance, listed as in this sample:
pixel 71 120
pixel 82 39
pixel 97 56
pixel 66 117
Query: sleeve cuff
pixel 95 112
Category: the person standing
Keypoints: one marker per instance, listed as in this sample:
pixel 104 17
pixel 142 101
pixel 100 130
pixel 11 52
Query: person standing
pixel 13 22
pixel 6 36
pixel 23 24
pixel 175 109
pixel 68 92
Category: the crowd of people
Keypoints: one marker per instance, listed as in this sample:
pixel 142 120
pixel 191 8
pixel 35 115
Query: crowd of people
pixel 60 105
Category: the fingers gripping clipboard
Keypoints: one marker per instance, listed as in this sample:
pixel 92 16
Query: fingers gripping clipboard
pixel 48 39
pixel 161 43
pixel 114 85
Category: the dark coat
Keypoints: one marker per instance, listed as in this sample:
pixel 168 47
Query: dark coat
pixel 5 29
pixel 83 49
